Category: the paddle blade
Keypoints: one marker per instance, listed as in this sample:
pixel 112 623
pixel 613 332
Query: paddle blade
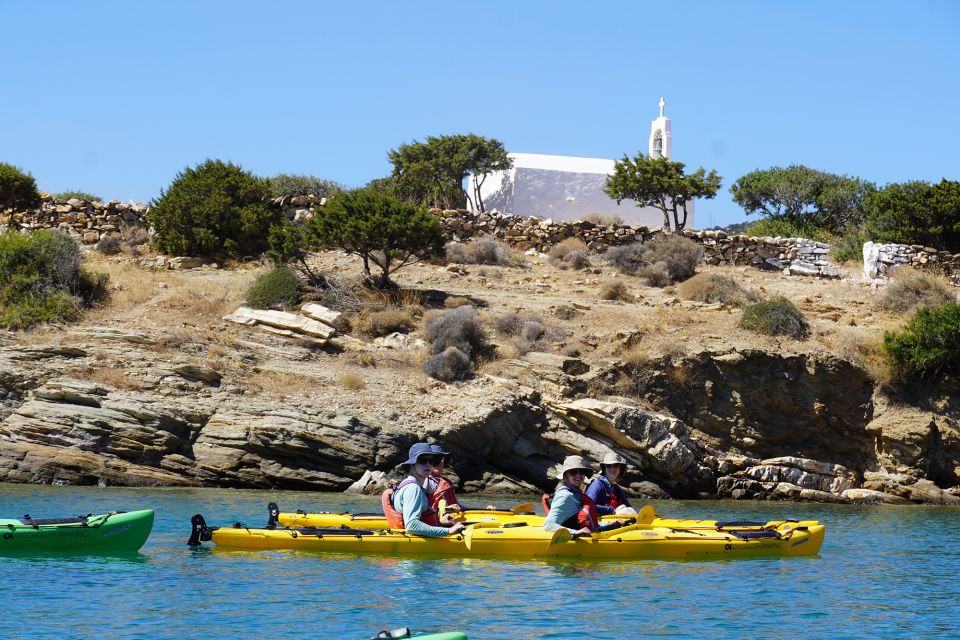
pixel 523 507
pixel 646 515
pixel 442 507
pixel 559 536
pixel 468 537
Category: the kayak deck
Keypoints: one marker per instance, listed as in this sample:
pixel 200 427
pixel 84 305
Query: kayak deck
pixel 645 541
pixel 116 532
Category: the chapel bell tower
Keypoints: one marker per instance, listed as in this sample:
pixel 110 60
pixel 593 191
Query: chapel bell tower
pixel 661 143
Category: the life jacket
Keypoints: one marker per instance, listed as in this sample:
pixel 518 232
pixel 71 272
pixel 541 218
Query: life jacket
pixel 611 488
pixel 394 517
pixel 443 491
pixel 586 516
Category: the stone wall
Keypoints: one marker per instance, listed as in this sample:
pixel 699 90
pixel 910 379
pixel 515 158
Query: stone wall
pixel 879 260
pixel 792 255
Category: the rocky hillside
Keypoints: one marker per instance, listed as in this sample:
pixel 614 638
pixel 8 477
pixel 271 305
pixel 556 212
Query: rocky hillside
pixel 156 388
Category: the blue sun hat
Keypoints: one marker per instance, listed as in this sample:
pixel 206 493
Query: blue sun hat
pixel 417 450
pixel 438 450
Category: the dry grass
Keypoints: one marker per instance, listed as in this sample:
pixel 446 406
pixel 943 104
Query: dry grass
pixel 910 289
pixel 376 324
pixel 109 376
pixel 615 290
pixel 364 359
pixel 279 384
pixel 602 220
pixel 560 250
pixel 713 287
pixel 351 381
pixel 452 302
pixel 862 348
pixel 636 357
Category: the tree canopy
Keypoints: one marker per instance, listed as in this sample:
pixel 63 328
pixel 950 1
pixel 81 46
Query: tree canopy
pixel 377 227
pixel 18 190
pixel 803 196
pixel 216 209
pixel 660 183
pixel 433 172
pixel 916 213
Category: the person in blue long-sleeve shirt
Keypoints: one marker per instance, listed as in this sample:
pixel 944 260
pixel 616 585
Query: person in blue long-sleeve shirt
pixel 411 499
pixel 604 490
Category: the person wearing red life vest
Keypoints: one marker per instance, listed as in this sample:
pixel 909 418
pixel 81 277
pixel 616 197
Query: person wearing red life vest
pixel 604 490
pixel 570 508
pixel 407 505
pixel 443 490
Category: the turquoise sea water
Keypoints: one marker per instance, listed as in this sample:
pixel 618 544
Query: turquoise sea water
pixel 883 572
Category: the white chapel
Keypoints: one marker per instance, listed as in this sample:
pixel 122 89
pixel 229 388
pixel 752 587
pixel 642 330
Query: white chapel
pixel 568 188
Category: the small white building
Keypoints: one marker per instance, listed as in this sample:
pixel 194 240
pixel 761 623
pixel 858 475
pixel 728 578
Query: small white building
pixel 569 188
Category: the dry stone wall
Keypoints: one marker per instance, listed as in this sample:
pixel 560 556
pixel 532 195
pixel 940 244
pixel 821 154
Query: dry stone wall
pixel 879 260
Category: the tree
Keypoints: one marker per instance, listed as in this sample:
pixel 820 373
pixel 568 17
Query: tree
pixel 377 227
pixel 805 197
pixel 216 210
pixel 18 190
pixel 433 172
pixel 916 213
pixel 660 183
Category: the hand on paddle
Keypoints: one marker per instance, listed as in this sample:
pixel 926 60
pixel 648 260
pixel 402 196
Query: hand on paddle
pixel 455 529
pixel 624 510
pixel 580 533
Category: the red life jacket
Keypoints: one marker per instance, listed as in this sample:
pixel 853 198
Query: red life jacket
pixel 443 491
pixel 614 499
pixel 586 516
pixel 394 517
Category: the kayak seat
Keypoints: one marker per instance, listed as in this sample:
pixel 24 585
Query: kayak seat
pixel 739 523
pixel 36 522
pixel 755 535
pixel 396 634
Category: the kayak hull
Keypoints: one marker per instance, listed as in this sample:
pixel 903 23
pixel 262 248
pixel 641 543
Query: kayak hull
pixel 106 533
pixel 637 541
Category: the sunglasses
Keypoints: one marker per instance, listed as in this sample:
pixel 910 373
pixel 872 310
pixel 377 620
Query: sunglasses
pixel 433 461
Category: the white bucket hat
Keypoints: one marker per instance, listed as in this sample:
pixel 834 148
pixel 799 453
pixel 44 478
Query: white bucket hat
pixel 571 463
pixel 612 459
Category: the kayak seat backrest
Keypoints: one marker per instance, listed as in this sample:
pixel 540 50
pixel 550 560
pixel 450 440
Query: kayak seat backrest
pixel 35 522
pixel 754 535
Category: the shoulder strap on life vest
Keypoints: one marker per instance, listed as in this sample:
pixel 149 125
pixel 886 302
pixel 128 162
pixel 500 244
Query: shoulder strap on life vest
pixel 545 500
pixel 395 518
pixel 442 491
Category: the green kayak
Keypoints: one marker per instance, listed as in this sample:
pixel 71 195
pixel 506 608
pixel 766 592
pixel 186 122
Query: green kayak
pixel 117 532
pixel 403 633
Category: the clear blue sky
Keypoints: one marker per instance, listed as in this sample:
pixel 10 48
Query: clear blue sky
pixel 115 98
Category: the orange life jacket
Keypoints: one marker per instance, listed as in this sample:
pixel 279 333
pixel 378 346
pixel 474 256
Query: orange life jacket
pixel 443 491
pixel 586 516
pixel 395 518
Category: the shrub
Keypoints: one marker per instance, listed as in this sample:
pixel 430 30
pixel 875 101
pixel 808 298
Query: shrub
pixel 460 328
pixel 452 302
pixel 576 260
pixel 777 316
pixel 532 330
pixel 456 252
pixel 656 274
pixel 448 365
pixel 602 220
pixel 848 247
pixel 560 250
pixel 626 258
pixel 377 324
pixel 63 196
pixel 680 255
pixel 214 210
pixel 712 287
pixel 566 312
pixel 40 276
pixel 614 290
pixel 134 236
pixel 18 190
pixel 508 324
pixel 275 288
pixel 109 244
pixel 486 250
pixel 773 227
pixel 351 381
pixel 929 344
pixel 910 289
pixel 285 185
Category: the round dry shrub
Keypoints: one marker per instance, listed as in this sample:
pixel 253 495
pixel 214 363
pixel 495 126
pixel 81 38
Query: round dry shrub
pixel 560 250
pixel 576 260
pixel 680 255
pixel 508 324
pixel 713 287
pixel 456 252
pixel 929 343
pixel 774 317
pixel 614 290
pixel 376 324
pixel 626 258
pixel 656 274
pixel 275 288
pixel 486 250
pixel 910 289
pixel 460 328
pixel 448 365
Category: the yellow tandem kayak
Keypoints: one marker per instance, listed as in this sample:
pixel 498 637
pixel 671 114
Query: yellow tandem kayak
pixel 785 538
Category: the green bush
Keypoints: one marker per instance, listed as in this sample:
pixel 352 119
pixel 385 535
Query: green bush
pixel 79 195
pixel 214 210
pixel 848 247
pixel 774 317
pixel 275 288
pixel 929 344
pixel 41 279
pixel 773 227
pixel 916 213
pixel 286 185
pixel 18 190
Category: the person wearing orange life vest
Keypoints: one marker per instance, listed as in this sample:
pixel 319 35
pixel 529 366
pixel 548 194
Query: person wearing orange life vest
pixel 407 505
pixel 604 490
pixel 443 489
pixel 570 508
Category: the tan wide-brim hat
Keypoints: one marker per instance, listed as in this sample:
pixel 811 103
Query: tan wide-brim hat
pixel 613 458
pixel 571 463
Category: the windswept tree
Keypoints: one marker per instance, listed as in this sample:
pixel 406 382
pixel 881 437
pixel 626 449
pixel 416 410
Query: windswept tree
pixel 18 190
pixel 379 228
pixel 433 172
pixel 916 213
pixel 661 183
pixel 805 197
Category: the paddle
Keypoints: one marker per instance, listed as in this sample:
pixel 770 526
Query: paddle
pixel 646 515
pixel 559 536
